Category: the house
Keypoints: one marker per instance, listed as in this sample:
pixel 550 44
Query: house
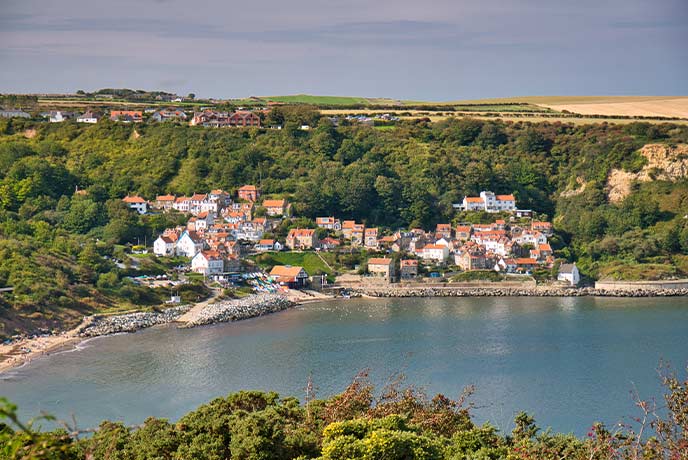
pixel 89 117
pixel 542 252
pixel 435 252
pixel 268 245
pixel 525 263
pixel 471 260
pixel 219 196
pixel 302 238
pixel 443 231
pixel 244 118
pixel 370 235
pixel 569 273
pixel 382 267
pixel 164 202
pixel 408 268
pixel 292 276
pixel 347 228
pixel 189 244
pixel 328 243
pixel 168 115
pixel 136 203
pixel 329 223
pixel 204 220
pixel 275 207
pixel 58 116
pixel 507 265
pixel 164 246
pixel 543 227
pixel 248 193
pixel 14 114
pixel 463 232
pixel 489 202
pixel 358 234
pixel 208 263
pixel 126 116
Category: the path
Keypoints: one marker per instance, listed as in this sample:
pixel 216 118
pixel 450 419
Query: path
pixel 192 314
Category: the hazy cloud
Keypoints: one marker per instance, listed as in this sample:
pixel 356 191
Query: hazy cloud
pixel 442 49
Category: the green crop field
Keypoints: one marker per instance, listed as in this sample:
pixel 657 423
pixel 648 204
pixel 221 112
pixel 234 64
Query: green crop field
pixel 329 100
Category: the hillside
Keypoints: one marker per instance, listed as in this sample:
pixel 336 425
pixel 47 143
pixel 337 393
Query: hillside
pixel 52 240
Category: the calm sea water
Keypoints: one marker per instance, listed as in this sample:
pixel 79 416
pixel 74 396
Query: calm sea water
pixel 568 361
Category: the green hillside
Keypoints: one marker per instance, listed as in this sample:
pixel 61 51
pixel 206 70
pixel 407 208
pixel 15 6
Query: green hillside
pixel 53 241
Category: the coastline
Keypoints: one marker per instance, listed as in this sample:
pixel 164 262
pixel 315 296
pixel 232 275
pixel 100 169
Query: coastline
pixel 451 291
pixel 21 352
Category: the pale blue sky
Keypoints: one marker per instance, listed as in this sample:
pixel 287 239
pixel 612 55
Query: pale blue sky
pixel 426 50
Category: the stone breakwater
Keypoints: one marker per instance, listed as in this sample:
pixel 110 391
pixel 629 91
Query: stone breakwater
pixel 103 325
pixel 238 309
pixel 516 292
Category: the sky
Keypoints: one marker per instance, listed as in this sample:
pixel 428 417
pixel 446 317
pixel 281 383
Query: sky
pixel 404 49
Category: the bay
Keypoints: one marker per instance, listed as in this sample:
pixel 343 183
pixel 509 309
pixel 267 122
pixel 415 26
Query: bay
pixel 567 361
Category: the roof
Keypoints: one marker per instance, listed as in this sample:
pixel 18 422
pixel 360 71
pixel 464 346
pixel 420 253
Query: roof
pixel 287 271
pixel 545 247
pixel 444 226
pixel 409 262
pixel 266 242
pixel 463 228
pixel 273 203
pixel 181 199
pixel 248 188
pixel 473 199
pixel 211 255
pixel 199 197
pixel 525 261
pixel 434 246
pixel 167 239
pixel 566 268
pixel 297 232
pixel 505 198
pixel 379 261
pixel 133 199
pixel 165 198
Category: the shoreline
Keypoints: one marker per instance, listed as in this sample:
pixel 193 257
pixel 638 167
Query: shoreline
pixel 452 291
pixel 17 354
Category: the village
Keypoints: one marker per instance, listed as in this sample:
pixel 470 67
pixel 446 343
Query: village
pixel 225 232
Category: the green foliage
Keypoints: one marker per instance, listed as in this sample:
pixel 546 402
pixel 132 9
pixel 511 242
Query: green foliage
pixel 253 425
pixel 409 176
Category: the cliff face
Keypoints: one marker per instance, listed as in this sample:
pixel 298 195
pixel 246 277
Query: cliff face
pixel 664 162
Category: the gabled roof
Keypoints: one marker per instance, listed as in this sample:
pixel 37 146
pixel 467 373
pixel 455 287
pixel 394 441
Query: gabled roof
pixel 133 199
pixel 266 242
pixel 300 232
pixel 165 198
pixel 505 198
pixel 379 261
pixel 273 203
pixel 409 263
pixel 199 197
pixel 286 271
pixel 248 188
pixel 566 268
pixel 474 199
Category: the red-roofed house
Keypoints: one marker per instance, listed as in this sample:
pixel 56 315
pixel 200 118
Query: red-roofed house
pixel 294 277
pixel 382 267
pixel 302 238
pixel 248 193
pixel 208 263
pixel 136 203
pixel 408 268
pixel 275 207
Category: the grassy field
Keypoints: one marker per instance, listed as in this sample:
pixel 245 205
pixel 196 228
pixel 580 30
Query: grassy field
pixel 308 260
pixel 330 100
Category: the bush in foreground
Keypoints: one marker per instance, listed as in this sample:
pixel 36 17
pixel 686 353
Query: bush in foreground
pixel 402 423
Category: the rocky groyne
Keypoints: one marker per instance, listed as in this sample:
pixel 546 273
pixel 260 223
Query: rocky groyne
pixel 238 309
pixel 103 325
pixel 516 292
